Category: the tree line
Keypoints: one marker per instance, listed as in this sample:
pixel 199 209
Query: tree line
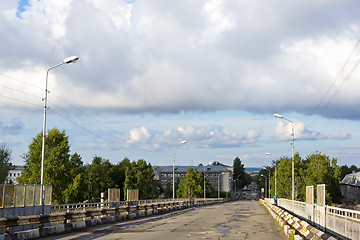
pixel 192 186
pixel 312 170
pixel 73 181
pixel 5 159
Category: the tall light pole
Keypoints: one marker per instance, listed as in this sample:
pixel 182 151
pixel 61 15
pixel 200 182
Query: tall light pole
pixel 293 156
pixel 275 171
pixel 65 61
pixel 269 193
pixel 182 142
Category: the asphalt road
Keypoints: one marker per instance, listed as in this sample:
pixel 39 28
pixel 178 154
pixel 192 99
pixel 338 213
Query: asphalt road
pixel 244 219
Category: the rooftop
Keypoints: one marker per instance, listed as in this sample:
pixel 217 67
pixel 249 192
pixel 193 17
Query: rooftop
pixel 352 179
pixel 208 168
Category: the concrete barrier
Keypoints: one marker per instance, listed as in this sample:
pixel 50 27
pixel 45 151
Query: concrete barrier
pixel 96 215
pixel 301 228
pixel 340 222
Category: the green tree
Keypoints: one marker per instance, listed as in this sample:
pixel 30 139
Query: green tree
pixel 347 170
pixel 98 179
pixel 118 176
pixel 240 176
pixel 320 169
pixel 262 180
pixel 57 166
pixel 5 158
pixel 284 178
pixel 192 185
pixel 210 190
pixel 168 190
pixel 315 169
pixel 76 191
pixel 139 175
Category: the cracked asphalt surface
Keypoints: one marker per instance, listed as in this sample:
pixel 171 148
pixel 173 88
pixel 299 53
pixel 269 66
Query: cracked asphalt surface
pixel 243 219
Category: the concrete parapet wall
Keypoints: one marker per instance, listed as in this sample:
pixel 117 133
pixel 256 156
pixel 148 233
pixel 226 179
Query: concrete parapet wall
pixel 302 229
pixel 340 222
pixel 67 227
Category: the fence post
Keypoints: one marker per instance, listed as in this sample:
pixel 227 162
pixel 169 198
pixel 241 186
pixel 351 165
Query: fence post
pixel 320 200
pixel 102 200
pixel 310 202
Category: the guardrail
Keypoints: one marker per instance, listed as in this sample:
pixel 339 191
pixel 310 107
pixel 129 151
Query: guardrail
pixel 98 205
pixel 292 225
pixel 73 217
pixel 343 223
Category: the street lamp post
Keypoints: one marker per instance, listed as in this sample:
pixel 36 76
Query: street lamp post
pixel 293 156
pixel 65 61
pixel 182 142
pixel 275 172
pixel 269 193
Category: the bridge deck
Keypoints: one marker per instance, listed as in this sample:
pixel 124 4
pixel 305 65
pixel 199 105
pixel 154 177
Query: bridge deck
pixel 246 219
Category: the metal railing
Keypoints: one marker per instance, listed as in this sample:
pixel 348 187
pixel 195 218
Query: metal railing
pixel 66 213
pixel 343 223
pixel 20 195
pixel 101 205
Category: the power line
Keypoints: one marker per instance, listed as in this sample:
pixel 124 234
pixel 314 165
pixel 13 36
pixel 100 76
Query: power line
pixel 76 124
pixel 340 87
pixel 318 110
pixel 19 100
pixel 337 77
pixel 70 116
pixel 84 113
pixel 20 81
pixel 13 89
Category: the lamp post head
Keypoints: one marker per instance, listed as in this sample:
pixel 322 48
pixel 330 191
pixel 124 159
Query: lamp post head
pixel 278 115
pixel 70 59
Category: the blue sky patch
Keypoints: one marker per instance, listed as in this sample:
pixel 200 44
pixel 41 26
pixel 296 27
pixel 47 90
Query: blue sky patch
pixel 21 7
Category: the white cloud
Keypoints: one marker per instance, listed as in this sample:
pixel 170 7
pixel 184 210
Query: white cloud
pixel 215 55
pixel 138 135
pixel 340 136
pixel 199 137
pixel 183 57
pixel 217 20
pixel 283 131
pixel 11 128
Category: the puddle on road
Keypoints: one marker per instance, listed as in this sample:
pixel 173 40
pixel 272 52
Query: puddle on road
pixel 225 229
pixel 238 215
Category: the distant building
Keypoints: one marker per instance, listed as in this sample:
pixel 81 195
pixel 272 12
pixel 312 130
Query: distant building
pixel 157 170
pixel 227 167
pixel 14 172
pixel 216 175
pixel 350 188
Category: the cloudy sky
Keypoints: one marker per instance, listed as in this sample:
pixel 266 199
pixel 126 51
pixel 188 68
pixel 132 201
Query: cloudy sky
pixel 154 73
